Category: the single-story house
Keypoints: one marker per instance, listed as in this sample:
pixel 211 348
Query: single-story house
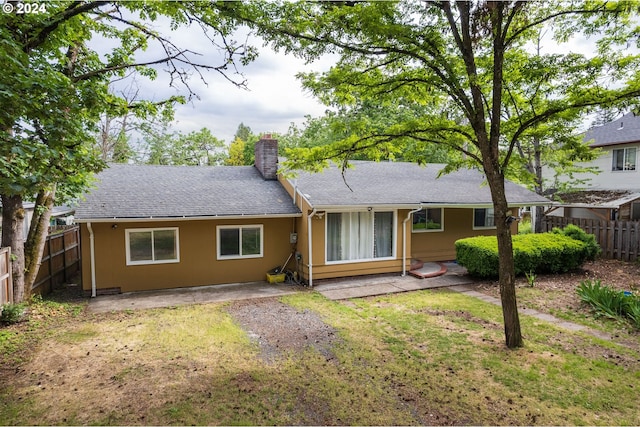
pixel 152 227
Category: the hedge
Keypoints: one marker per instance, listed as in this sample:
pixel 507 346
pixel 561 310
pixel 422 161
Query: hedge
pixel 577 233
pixel 556 252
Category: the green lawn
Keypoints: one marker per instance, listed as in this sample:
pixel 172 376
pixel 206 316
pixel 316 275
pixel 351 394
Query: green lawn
pixel 428 357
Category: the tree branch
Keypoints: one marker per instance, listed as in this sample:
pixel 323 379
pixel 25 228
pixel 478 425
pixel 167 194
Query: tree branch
pixel 76 8
pixel 551 112
pixel 173 55
pixel 553 16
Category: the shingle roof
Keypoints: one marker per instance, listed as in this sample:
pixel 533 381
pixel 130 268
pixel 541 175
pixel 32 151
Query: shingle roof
pixel 396 183
pixel 145 191
pixel 596 198
pixel 622 131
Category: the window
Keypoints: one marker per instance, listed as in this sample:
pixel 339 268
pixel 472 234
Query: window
pixel 152 245
pixel 483 218
pixel 624 159
pixel 429 219
pixel 239 241
pixel 359 235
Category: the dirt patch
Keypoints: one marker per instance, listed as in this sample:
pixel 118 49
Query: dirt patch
pixel 560 289
pixel 558 294
pixel 280 329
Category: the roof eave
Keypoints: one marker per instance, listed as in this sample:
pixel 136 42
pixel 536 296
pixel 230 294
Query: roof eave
pixel 609 144
pixel 379 206
pixel 185 218
pixel 586 205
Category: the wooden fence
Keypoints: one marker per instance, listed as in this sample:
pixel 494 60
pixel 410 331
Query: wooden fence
pixel 618 239
pixel 6 284
pixel 60 260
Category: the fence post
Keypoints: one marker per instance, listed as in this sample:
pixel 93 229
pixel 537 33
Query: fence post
pixel 64 256
pixel 636 238
pixel 50 265
pixel 6 280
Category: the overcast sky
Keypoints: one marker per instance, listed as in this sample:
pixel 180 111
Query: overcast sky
pixel 274 98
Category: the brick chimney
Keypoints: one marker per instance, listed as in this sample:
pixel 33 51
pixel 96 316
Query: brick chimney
pixel 266 154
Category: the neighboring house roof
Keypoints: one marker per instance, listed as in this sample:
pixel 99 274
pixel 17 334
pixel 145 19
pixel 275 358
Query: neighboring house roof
pixel 608 199
pixel 403 184
pixel 166 192
pixel 625 130
pixel 63 210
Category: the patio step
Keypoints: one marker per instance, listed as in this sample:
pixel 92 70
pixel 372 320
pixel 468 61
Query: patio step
pixel 428 269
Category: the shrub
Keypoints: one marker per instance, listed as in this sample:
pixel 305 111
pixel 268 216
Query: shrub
pixel 605 300
pixel 632 310
pixel 533 253
pixel 524 227
pixel 11 313
pixel 576 233
pixel 531 278
pixel 548 253
pixel 609 302
pixel 479 255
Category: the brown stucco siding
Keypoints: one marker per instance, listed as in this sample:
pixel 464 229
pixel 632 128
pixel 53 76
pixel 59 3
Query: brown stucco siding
pixel 330 271
pixel 301 226
pixel 198 263
pixel 440 245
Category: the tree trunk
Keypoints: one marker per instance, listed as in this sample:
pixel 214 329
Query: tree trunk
pixel 513 334
pixel 539 183
pixel 13 235
pixel 539 213
pixel 38 232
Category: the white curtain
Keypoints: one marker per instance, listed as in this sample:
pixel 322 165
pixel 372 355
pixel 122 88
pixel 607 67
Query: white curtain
pixel 334 236
pixel 383 229
pixel 359 235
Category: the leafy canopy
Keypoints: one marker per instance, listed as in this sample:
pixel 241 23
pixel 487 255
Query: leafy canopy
pixel 466 70
pixel 55 84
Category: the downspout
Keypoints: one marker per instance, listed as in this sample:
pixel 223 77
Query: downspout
pixel 310 250
pixel 92 250
pixel 404 239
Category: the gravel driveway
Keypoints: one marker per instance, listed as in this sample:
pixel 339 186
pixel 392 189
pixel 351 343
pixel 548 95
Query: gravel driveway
pixel 279 329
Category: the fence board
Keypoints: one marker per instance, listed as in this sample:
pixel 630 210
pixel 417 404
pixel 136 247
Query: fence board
pixel 60 260
pixel 6 284
pixel 618 239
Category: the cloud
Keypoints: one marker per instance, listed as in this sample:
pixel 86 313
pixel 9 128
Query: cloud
pixel 274 98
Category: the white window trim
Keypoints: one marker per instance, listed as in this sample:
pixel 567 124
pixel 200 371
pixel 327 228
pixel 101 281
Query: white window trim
pixel 355 261
pixel 624 158
pixel 473 222
pixel 239 227
pixel 433 230
pixel 128 231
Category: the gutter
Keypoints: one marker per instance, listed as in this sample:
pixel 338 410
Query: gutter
pixel 404 239
pixel 184 218
pixel 92 249
pixel 363 207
